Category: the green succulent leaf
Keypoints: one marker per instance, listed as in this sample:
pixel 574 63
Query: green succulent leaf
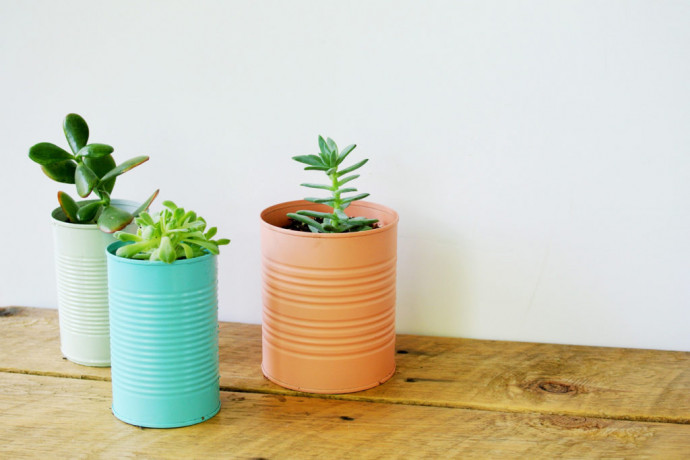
pixel 124 236
pixel 346 151
pixel 101 166
pixel 95 150
pixel 85 180
pixel 353 167
pixel 62 171
pixel 323 146
pixel 124 167
pixel 209 245
pixel 87 212
pixel 361 196
pixel 331 145
pixel 319 200
pixel 323 187
pixel 323 215
pixel 45 153
pixel 312 160
pixel 188 251
pixel 76 131
pixel 316 168
pixel 347 179
pixel 68 206
pixel 222 242
pixel 166 251
pixel 170 205
pixel 129 250
pixel 113 219
pixel 305 220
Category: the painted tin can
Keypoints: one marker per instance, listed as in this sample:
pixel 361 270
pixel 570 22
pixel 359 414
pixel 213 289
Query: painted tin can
pixel 82 288
pixel 164 340
pixel 328 322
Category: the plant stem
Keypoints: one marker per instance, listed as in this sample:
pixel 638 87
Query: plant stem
pixel 336 197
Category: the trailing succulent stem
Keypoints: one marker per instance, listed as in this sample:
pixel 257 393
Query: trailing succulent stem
pixel 91 168
pixel 173 234
pixel 328 160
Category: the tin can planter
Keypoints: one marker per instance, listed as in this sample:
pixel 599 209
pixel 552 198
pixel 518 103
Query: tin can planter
pixel 328 301
pixel 82 288
pixel 164 340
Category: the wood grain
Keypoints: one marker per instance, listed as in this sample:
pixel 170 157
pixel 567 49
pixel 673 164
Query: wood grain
pixel 614 383
pixel 48 417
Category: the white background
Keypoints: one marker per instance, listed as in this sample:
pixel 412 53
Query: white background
pixel 538 152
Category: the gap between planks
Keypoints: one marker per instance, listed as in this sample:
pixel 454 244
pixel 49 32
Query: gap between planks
pixel 364 399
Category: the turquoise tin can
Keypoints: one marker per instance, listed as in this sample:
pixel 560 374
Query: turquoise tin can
pixel 163 340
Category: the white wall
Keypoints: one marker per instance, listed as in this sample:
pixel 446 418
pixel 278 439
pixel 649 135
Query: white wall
pixel 538 152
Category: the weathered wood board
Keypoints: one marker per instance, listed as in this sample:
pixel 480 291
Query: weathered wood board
pixel 615 383
pixel 49 417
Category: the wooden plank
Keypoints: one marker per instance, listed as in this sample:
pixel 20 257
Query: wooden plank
pixel 615 383
pixel 48 417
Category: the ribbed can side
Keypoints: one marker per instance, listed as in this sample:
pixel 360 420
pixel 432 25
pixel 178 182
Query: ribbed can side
pixel 164 341
pixel 82 288
pixel 329 305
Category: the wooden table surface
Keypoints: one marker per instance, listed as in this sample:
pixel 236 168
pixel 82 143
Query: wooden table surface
pixel 449 398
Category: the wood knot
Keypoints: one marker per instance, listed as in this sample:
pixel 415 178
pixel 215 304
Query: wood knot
pixel 574 422
pixel 345 417
pixel 554 387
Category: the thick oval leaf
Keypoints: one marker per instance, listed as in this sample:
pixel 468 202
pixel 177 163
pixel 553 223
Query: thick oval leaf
pixel 113 219
pixel 88 211
pixel 76 131
pixel 45 153
pixel 69 207
pixel 85 179
pixel 101 166
pixel 124 167
pixel 95 150
pixel 62 171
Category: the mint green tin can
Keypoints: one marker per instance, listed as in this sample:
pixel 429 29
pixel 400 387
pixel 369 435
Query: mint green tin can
pixel 163 340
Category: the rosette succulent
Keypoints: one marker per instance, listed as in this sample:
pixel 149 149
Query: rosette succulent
pixel 91 168
pixel 173 234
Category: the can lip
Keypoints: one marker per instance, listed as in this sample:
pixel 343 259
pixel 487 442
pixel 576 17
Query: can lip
pixel 57 215
pixel 112 247
pixel 280 207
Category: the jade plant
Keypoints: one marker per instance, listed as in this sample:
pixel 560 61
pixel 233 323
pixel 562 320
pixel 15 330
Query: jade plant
pixel 91 168
pixel 173 234
pixel 329 160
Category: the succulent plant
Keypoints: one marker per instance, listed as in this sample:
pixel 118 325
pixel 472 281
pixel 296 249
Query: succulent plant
pixel 173 234
pixel 91 168
pixel 328 160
